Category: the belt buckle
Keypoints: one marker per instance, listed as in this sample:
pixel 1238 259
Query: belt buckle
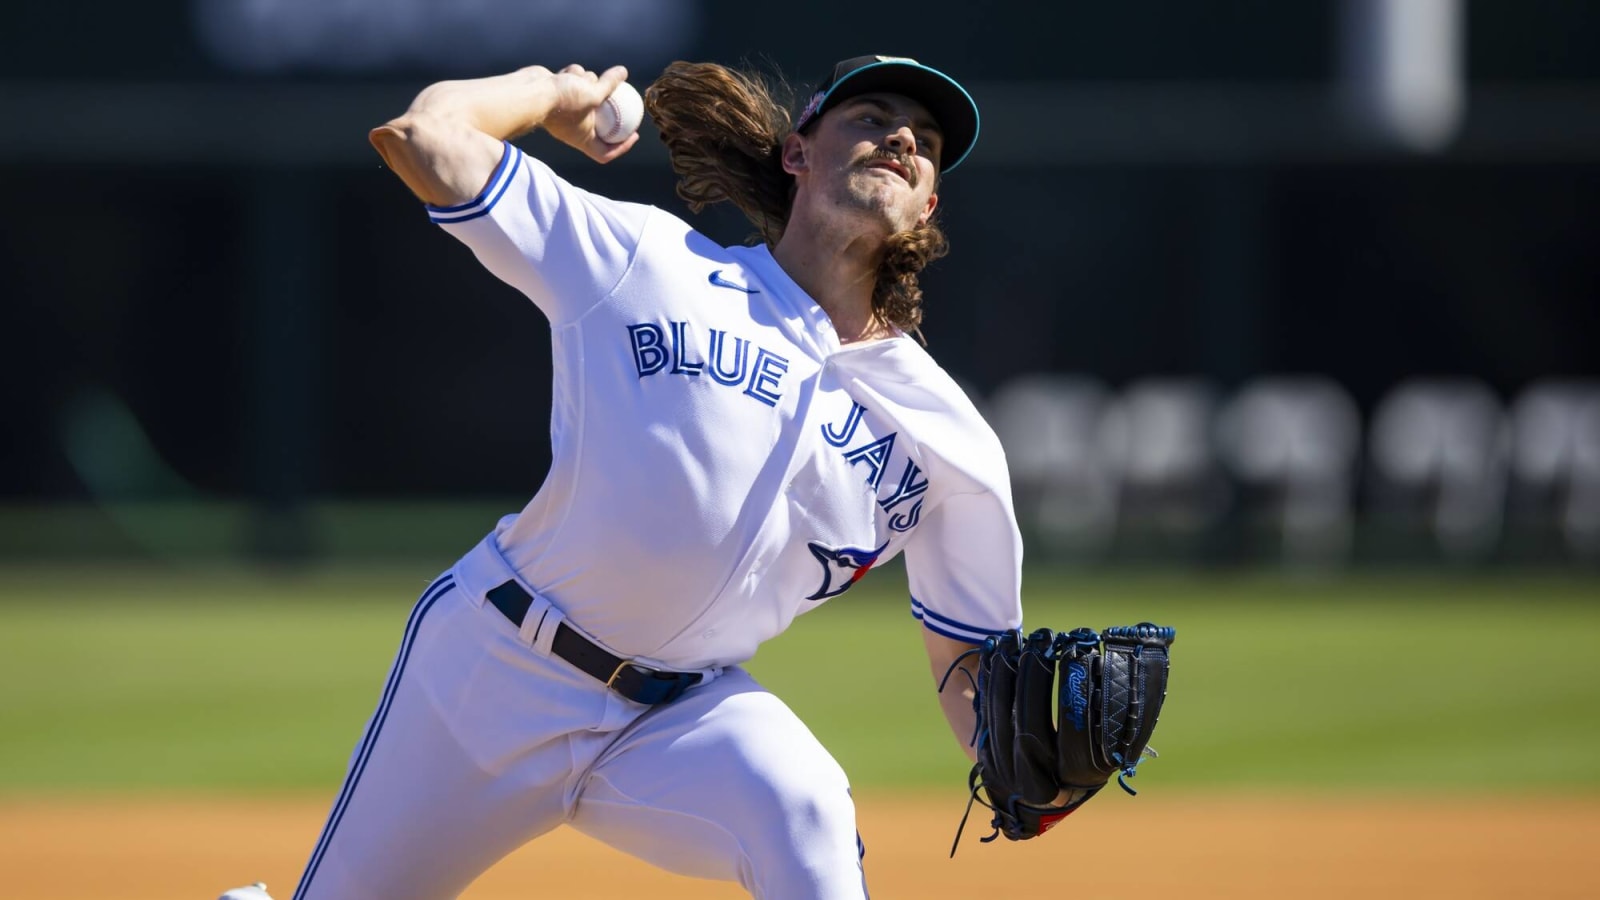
pixel 659 686
pixel 611 682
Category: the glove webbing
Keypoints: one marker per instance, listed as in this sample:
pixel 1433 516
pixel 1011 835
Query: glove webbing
pixel 1113 687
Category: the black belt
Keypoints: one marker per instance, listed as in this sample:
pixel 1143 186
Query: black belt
pixel 641 684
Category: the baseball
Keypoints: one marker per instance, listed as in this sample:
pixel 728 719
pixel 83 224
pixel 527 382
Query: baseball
pixel 620 115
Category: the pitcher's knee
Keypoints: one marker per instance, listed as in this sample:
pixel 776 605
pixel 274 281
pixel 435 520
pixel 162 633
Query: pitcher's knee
pixel 810 849
pixel 818 810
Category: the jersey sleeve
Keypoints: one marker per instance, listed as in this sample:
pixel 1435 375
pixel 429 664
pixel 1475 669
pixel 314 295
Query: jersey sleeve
pixel 964 566
pixel 561 246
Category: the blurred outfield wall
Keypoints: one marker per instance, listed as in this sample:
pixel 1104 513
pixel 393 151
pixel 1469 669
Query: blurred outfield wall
pixel 231 334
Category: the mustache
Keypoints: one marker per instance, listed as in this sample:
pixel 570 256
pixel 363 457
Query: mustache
pixel 905 161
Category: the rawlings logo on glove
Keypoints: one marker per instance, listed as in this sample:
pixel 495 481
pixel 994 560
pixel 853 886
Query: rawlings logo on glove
pixel 1106 692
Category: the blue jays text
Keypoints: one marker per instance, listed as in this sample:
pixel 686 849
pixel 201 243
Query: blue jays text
pixel 760 376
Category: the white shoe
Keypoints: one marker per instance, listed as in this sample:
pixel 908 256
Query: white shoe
pixel 257 891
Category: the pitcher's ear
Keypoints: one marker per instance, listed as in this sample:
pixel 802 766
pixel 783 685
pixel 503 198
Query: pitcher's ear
pixel 794 154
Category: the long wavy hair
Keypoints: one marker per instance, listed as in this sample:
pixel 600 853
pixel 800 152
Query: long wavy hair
pixel 724 130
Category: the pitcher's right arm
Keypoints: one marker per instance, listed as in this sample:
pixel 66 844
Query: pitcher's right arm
pixel 448 143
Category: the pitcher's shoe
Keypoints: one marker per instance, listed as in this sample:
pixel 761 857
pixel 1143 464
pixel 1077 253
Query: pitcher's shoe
pixel 257 891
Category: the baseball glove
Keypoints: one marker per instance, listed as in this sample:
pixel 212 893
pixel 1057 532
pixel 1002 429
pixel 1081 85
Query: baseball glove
pixel 1058 715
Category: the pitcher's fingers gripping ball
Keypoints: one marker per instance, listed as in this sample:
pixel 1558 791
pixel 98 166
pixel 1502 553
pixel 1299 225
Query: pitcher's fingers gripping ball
pixel 1040 756
pixel 620 114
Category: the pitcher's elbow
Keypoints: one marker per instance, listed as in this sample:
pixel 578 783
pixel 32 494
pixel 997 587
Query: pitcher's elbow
pixel 389 137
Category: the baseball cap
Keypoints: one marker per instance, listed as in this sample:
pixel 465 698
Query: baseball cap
pixel 952 107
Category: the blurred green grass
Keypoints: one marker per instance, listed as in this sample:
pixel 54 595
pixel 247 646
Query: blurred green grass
pixel 129 680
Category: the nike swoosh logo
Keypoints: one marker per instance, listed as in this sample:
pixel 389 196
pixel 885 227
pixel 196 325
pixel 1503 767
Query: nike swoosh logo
pixel 717 279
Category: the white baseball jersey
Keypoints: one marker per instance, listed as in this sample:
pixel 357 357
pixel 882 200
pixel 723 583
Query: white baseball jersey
pixel 721 463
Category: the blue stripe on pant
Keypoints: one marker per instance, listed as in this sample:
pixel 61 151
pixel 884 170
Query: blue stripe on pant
pixel 436 590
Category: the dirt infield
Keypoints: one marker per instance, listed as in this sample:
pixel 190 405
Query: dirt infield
pixel 1185 847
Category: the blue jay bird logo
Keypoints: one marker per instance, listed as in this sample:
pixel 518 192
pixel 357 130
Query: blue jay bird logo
pixel 841 568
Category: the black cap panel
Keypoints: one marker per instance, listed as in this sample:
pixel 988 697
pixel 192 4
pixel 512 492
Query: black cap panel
pixel 946 100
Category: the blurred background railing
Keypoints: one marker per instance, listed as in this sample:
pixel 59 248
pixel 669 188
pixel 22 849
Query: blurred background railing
pixel 1241 281
pixel 1284 468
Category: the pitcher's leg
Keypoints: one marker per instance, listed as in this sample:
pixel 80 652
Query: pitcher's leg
pixel 728 783
pixel 417 817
